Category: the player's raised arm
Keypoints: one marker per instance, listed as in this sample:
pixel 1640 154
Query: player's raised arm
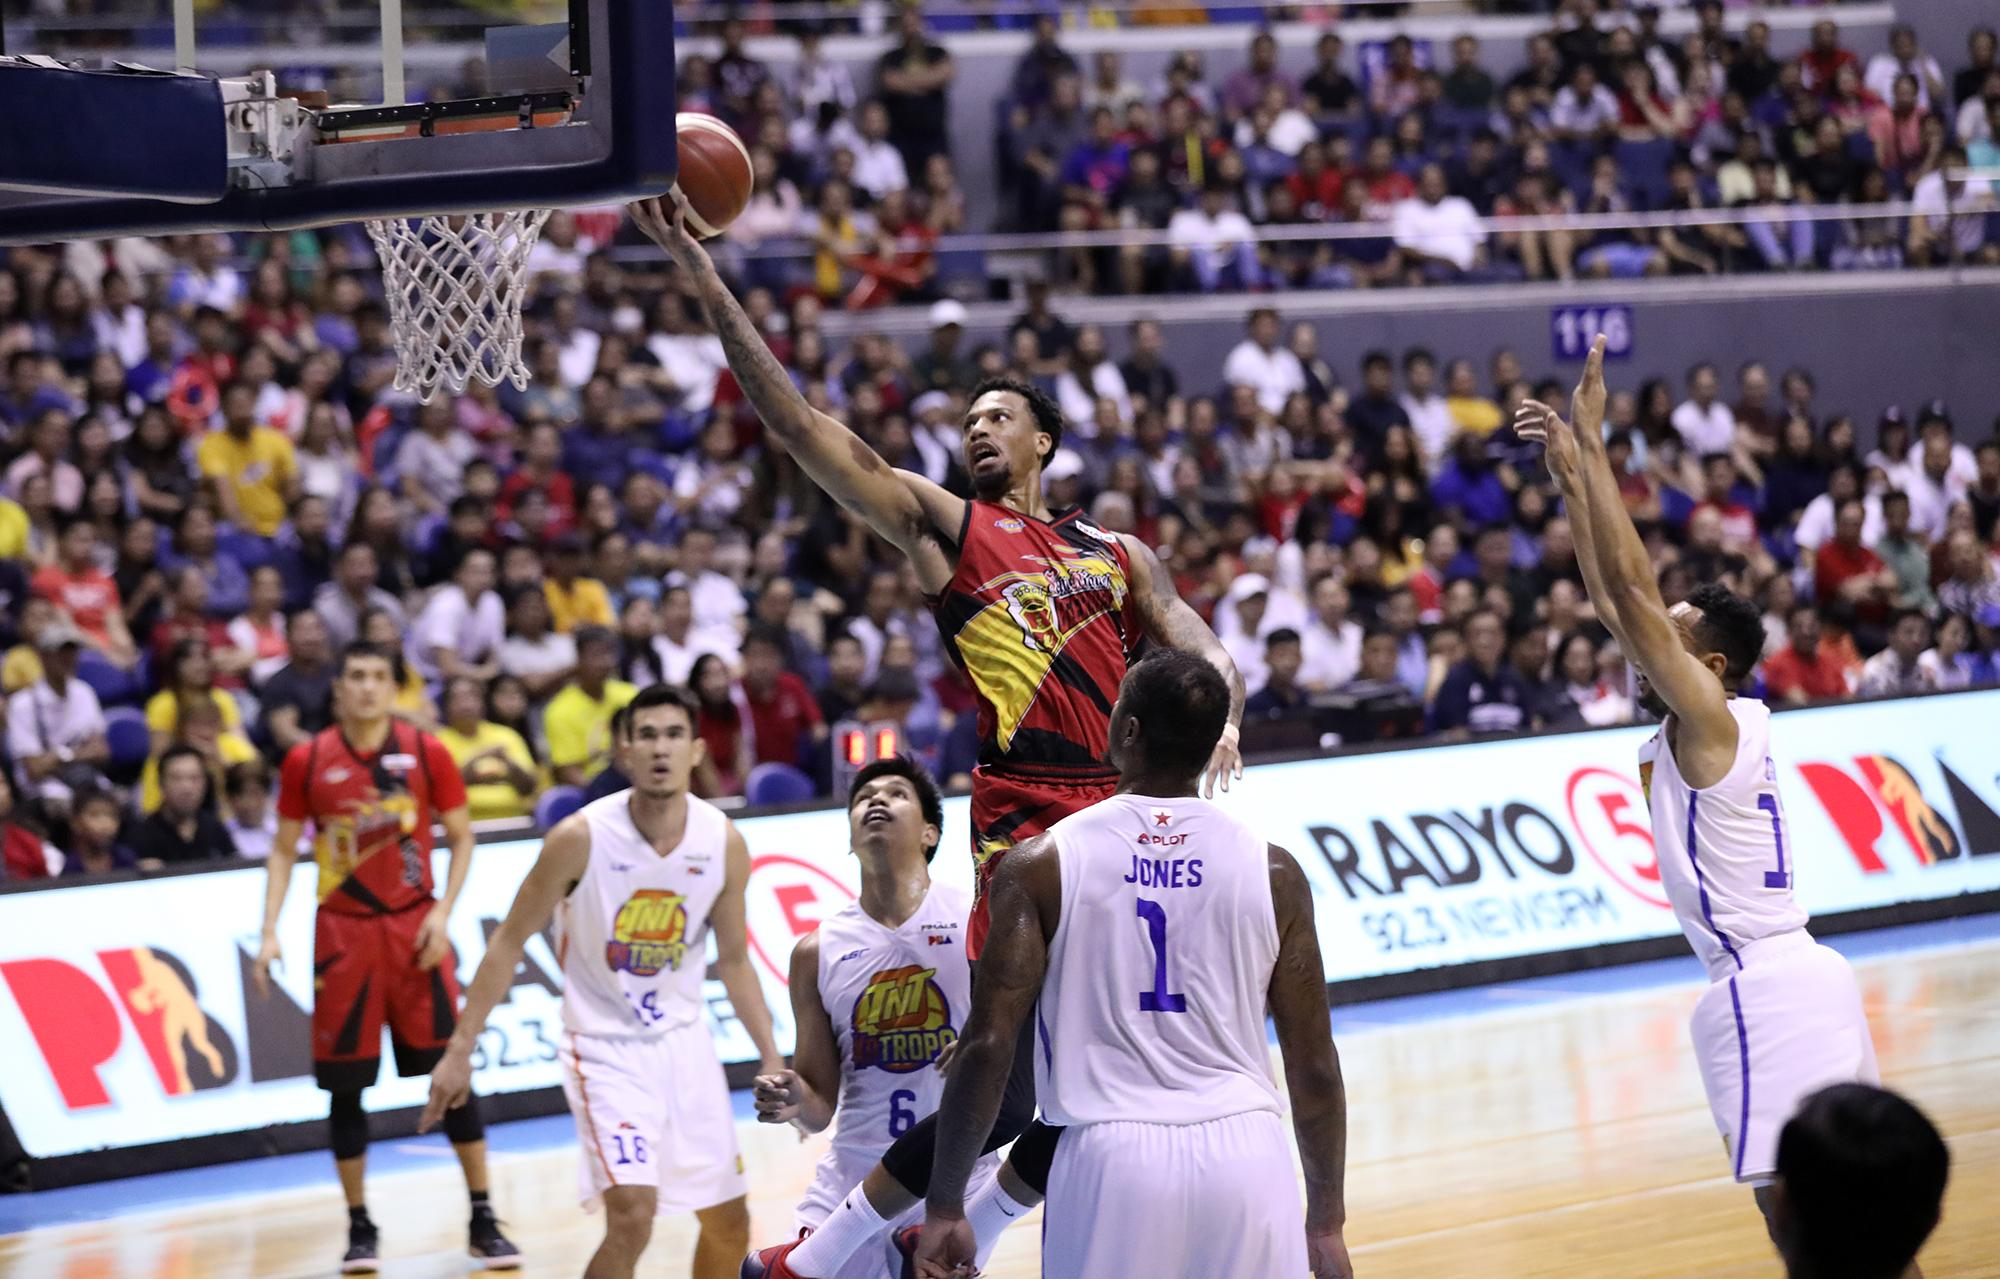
pixel 906 510
pixel 807 1094
pixel 564 857
pixel 1312 1067
pixel 1171 621
pixel 1617 571
pixel 1027 901
pixel 732 956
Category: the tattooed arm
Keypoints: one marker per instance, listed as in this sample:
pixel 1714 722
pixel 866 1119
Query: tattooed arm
pixel 1170 621
pixel 908 511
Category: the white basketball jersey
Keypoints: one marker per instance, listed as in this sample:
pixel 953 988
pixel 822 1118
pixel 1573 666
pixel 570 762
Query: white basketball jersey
pixel 1153 1007
pixel 896 998
pixel 1725 853
pixel 633 933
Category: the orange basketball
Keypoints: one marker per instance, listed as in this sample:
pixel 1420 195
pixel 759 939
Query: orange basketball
pixel 715 172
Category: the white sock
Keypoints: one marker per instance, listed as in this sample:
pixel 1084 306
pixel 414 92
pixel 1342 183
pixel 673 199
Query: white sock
pixel 991 1211
pixel 850 1225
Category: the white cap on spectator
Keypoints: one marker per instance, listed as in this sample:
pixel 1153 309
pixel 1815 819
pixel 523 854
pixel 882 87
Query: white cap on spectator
pixel 930 400
pixel 58 635
pixel 947 311
pixel 1247 585
pixel 1065 465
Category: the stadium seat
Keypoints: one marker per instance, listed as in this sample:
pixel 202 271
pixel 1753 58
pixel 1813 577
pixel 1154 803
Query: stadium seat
pixel 1642 167
pixel 776 784
pixel 113 686
pixel 557 803
pixel 130 740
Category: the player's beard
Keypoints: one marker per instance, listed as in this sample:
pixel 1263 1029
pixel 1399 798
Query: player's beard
pixel 990 484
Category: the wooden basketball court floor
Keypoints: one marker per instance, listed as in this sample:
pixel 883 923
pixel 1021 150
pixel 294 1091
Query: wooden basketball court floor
pixel 1545 1128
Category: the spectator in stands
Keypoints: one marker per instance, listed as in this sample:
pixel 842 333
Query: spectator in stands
pixel 914 79
pixel 1282 694
pixel 297 700
pixel 501 776
pixel 24 855
pixel 577 722
pixel 183 827
pixel 248 815
pixel 1897 668
pixel 254 470
pixel 1260 362
pixel 1850 579
pixel 463 626
pixel 1149 378
pixel 786 725
pixel 1970 586
pixel 56 726
pixel 1482 694
pixel 189 676
pixel 352 592
pixel 1468 86
pixel 85 595
pixel 97 820
pixel 1904 58
pixel 1907 557
pixel 1330 646
pixel 725 726
pixel 542 658
pixel 1804 669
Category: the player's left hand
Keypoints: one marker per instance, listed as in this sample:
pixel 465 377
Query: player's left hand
pixel 433 945
pixel 946 1249
pixel 1537 423
pixel 778 1096
pixel 662 222
pixel 1226 765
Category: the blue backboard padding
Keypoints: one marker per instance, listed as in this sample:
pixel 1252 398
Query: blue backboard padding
pixel 634 38
pixel 107 133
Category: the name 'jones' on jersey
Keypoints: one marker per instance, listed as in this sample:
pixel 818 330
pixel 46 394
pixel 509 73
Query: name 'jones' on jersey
pixel 1039 616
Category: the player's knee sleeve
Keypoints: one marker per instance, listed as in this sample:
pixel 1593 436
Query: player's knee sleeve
pixel 347 1125
pixel 908 1158
pixel 1034 1154
pixel 464 1123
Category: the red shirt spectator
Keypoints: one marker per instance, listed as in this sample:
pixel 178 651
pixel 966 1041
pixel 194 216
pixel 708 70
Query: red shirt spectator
pixel 782 707
pixel 1844 569
pixel 23 854
pixel 1805 669
pixel 87 594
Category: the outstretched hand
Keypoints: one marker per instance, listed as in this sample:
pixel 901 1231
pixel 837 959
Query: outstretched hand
pixel 1539 424
pixel 664 223
pixel 1586 403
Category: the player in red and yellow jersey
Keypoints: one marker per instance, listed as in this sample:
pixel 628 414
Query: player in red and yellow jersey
pixel 1042 609
pixel 370 788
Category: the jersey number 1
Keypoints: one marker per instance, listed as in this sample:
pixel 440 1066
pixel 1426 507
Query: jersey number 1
pixel 1775 878
pixel 1158 999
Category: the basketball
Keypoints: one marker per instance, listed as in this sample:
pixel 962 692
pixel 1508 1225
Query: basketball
pixel 715 172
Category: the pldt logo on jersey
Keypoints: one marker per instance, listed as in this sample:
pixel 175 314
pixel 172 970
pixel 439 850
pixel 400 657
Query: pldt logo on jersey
pixel 902 1021
pixel 650 933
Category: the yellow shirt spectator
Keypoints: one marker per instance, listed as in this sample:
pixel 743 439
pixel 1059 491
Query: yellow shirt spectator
pixel 584 602
pixel 579 726
pixel 163 717
pixel 21 667
pixel 488 793
pixel 13 530
pixel 259 470
pixel 1474 413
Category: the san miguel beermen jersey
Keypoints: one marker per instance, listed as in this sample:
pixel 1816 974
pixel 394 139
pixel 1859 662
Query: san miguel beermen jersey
pixel 896 998
pixel 633 933
pixel 1724 852
pixel 1040 617
pixel 371 815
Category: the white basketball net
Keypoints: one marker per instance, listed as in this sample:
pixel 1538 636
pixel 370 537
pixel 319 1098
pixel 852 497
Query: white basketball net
pixel 455 285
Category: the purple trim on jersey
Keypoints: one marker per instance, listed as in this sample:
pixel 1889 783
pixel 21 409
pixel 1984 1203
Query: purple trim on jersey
pixel 1701 887
pixel 1743 1054
pixel 1042 1033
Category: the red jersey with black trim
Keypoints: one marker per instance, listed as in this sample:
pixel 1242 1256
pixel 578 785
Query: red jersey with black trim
pixel 1039 615
pixel 371 815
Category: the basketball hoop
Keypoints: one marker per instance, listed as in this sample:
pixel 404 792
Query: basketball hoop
pixel 455 286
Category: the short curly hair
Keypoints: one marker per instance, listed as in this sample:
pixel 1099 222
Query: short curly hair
pixel 1730 625
pixel 1048 414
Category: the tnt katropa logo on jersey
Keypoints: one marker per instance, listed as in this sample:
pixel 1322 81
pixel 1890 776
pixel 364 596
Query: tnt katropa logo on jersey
pixel 649 933
pixel 902 1021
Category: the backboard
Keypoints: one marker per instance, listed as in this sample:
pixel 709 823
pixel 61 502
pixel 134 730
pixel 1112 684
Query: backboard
pixel 143 128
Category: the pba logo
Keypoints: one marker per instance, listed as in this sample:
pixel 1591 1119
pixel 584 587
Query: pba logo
pixel 902 1021
pixel 1875 795
pixel 78 1029
pixel 650 933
